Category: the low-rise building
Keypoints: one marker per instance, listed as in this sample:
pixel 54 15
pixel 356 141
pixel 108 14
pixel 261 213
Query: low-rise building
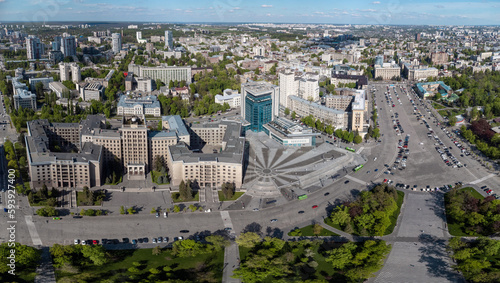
pixel 44 81
pixel 231 97
pixel 92 91
pixel 289 133
pixel 60 89
pixel 304 108
pixel 139 106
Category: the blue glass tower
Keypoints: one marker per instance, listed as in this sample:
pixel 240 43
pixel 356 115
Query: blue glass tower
pixel 259 104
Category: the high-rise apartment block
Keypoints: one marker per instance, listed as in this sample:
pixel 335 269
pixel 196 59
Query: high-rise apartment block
pixel 260 103
pixel 66 69
pixel 163 73
pixel 116 42
pixel 305 86
pixel 169 40
pixel 34 47
pixel 68 45
pixel 56 44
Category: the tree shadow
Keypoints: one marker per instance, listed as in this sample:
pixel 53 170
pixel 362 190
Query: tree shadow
pixel 253 227
pixel 274 232
pixel 434 255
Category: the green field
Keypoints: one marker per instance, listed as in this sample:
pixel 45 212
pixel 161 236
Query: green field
pixel 122 260
pixel 236 195
pixel 452 112
pixel 473 191
pixel 154 177
pixel 437 106
pixel 308 231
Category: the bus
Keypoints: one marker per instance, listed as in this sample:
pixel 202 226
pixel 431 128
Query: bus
pixel 357 168
pixel 301 197
pixel 350 149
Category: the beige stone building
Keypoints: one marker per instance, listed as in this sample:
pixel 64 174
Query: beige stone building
pixel 210 169
pixel 135 148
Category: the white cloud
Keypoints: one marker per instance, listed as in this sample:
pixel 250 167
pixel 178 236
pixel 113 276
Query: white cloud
pixel 319 13
pixel 376 2
pixel 268 15
pixel 188 11
pixel 236 8
pixel 266 6
pixel 367 10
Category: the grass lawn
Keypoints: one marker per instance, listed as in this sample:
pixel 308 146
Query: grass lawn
pixel 235 196
pixel 176 197
pixel 454 112
pixel 456 229
pixel 121 260
pixel 473 192
pixel 393 218
pixel 154 177
pixel 80 198
pixel 308 231
pixel 437 106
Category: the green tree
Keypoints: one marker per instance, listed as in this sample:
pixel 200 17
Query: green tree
pixel 294 115
pixel 96 254
pixel 452 121
pixel 248 239
pixel 287 111
pixel 218 242
pixel 187 248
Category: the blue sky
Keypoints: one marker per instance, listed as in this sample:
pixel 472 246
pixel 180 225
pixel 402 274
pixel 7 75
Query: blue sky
pixel 292 11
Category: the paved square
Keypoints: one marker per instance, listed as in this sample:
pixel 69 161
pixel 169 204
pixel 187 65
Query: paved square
pixel 422 212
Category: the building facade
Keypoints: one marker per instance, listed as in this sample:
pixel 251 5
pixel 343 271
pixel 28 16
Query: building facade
pixel 92 91
pixel 169 40
pixel 260 103
pixel 165 74
pixel 304 108
pixel 138 107
pixel 68 45
pixel 70 72
pixel 34 47
pixel 116 39
pixel 231 97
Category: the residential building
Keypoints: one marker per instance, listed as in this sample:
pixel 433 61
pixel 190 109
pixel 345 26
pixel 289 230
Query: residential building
pixel 429 89
pixel 260 103
pixel 169 40
pixel 68 45
pixel 56 44
pixel 66 69
pixel 138 36
pixel 415 73
pixel 358 111
pixel 139 106
pixel 305 86
pixel 34 47
pixel 259 51
pixel 231 97
pixel 25 99
pixel 439 58
pixel 92 91
pixel 56 56
pixel 340 102
pixel 116 42
pixel 288 86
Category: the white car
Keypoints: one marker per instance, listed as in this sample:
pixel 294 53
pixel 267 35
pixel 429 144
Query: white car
pixel 374 158
pixel 77 241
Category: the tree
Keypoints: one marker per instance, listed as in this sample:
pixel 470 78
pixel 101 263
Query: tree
pixel 96 253
pixel 177 208
pixel 188 248
pixel 357 138
pixel 218 242
pixel 228 190
pixel 317 229
pixel 294 115
pixel 122 210
pixel 26 256
pixel 185 190
pixel 131 210
pixel 287 111
pixel 248 239
pixel 156 250
pixel 452 121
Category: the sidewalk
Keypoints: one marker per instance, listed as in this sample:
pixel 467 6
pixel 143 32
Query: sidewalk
pixel 45 271
pixel 231 262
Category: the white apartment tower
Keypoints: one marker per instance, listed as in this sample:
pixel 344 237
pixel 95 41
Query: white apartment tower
pixel 169 40
pixel 117 42
pixel 288 86
pixel 34 47
pixel 305 87
pixel 67 68
pixel 259 51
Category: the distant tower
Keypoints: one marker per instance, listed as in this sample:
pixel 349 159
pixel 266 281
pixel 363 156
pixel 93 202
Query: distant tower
pixel 116 42
pixel 34 48
pixel 169 40
pixel 417 37
pixel 68 45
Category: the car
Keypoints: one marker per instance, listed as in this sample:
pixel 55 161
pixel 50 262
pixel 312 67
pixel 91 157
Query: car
pixel 180 238
pixel 314 206
pixel 157 214
pixel 134 242
pixel 374 159
pixel 160 239
pixel 375 170
pixel 301 211
pixel 347 181
pixel 165 214
pixel 226 229
pixel 95 242
pixel 146 240
pixel 77 241
pixel 274 220
pixel 385 180
pixel 140 240
pixel 84 243
pixel 184 231
pixel 154 241
pixel 326 194
pixel 104 241
pixel 125 240
pixel 165 239
pixel 255 209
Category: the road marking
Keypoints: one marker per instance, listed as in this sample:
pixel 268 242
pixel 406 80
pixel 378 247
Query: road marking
pixel 360 150
pixel 482 179
pixel 32 229
pixel 356 180
pixel 226 219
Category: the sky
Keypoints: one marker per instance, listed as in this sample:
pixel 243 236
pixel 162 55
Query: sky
pixel 384 12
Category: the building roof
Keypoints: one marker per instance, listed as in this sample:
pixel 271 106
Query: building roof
pixel 150 101
pixel 316 105
pixel 176 124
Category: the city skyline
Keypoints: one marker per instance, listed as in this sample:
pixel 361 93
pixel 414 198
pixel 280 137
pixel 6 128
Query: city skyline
pixel 273 11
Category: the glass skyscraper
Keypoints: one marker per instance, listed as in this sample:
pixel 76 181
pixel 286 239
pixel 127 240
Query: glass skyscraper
pixel 259 104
